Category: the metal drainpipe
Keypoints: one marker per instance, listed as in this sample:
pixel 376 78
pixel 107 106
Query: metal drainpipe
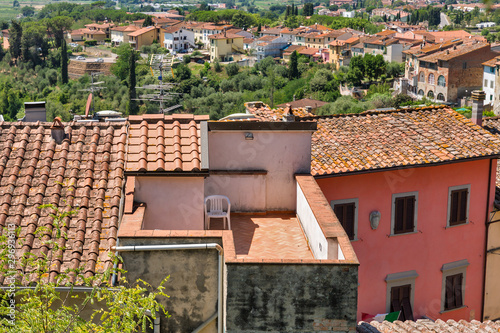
pixel 170 247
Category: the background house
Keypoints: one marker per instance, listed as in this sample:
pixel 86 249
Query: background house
pixel 225 46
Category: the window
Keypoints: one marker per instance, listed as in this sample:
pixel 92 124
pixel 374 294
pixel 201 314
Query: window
pixel 347 213
pixel 441 81
pixel 453 285
pixel 458 205
pixel 453 295
pixel 464 65
pixel 430 94
pixel 421 77
pixel 486 83
pixel 401 293
pixel 421 92
pixel 404 213
pixel 492 69
pixel 431 78
pixel 491 83
pixel 440 97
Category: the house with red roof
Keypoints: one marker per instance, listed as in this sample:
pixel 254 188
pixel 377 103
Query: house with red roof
pixel 120 34
pixel 177 38
pixel 414 189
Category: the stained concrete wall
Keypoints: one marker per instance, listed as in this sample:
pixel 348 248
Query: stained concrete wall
pixel 291 298
pixel 492 287
pixel 247 193
pixel 173 203
pixel 281 154
pixel 192 285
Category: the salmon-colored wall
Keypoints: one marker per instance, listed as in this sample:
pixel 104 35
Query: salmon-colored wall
pixel 427 250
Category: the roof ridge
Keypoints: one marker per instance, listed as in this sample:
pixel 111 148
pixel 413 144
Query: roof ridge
pixel 374 112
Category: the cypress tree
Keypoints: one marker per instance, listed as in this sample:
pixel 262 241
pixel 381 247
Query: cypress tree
pixel 132 103
pixel 293 9
pixel 293 71
pixel 64 62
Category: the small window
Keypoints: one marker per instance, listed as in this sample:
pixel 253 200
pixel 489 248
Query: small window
pixel 453 285
pixel 400 301
pixel 346 212
pixel 492 69
pixel 453 295
pixel 464 65
pixel 458 205
pixel 491 97
pixel 491 83
pixel 441 81
pixel 404 213
pixel 486 83
pixel 431 78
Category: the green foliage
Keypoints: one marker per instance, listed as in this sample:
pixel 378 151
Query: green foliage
pixel 343 105
pixel 148 21
pixel 217 66
pixel 186 59
pixel 293 66
pixel 28 11
pixel 44 309
pixel 121 67
pixel 64 62
pixel 232 69
pixel 182 72
pixel 132 109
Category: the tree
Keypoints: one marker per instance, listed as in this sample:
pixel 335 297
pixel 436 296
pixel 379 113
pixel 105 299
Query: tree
pixel 217 66
pixel 28 11
pixel 121 67
pixel 16 34
pixel 182 72
pixel 308 9
pixel 148 21
pixel 44 309
pixel 15 4
pixel 293 71
pixel 57 26
pixel 64 62
pixel 232 69
pixel 132 103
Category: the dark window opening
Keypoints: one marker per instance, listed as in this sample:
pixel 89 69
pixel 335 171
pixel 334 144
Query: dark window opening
pixel 453 295
pixel 400 301
pixel 345 214
pixel 458 206
pixel 404 214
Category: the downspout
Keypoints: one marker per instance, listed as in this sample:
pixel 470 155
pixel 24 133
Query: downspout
pixel 170 247
pixel 486 241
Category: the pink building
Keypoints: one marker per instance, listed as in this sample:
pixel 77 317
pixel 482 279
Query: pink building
pixel 413 190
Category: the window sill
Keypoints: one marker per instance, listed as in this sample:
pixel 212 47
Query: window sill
pixel 406 233
pixel 455 309
pixel 456 225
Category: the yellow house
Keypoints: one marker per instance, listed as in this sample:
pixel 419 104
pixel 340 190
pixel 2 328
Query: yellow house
pixel 225 45
pixel 340 51
pixel 97 35
pixel 144 36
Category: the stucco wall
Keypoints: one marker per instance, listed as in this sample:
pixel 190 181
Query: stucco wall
pixel 492 287
pixel 192 285
pixel 281 154
pixel 291 298
pixel 428 249
pixel 173 203
pixel 247 193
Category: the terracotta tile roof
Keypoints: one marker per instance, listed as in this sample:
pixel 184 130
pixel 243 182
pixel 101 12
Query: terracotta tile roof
pixel 225 36
pixel 309 51
pixel 386 33
pixel 141 31
pixel 85 171
pixel 318 27
pixel 492 62
pixel 428 326
pixel 92 32
pixel 272 31
pixel 160 142
pixel 267 38
pixel 248 40
pixel 172 29
pixel 264 112
pixel 292 48
pixel 457 51
pixel 384 139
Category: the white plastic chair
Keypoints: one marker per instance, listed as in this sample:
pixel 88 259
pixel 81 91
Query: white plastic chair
pixel 214 207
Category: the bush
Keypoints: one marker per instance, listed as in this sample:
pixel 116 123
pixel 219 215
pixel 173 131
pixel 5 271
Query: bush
pixel 90 42
pixel 186 59
pixel 232 69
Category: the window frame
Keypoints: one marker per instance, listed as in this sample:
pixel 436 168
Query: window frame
pixel 397 280
pixel 449 269
pixel 450 190
pixel 393 212
pixel 347 201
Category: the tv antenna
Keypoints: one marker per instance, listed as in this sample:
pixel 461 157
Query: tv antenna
pixel 159 64
pixel 94 87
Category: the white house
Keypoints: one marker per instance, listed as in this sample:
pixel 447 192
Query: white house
pixel 120 34
pixel 349 14
pixel 483 25
pixel 269 46
pixel 177 38
pixel 489 71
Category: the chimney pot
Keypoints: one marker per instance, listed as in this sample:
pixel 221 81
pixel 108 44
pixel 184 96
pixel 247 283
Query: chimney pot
pixel 57 131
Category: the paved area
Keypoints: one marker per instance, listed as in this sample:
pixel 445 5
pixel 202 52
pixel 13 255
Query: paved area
pixel 276 236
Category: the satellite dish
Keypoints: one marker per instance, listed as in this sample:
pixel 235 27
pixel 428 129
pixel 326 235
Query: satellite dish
pixel 89 105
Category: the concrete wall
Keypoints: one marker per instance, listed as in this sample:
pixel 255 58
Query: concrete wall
pixel 173 203
pixel 192 285
pixel 426 250
pixel 291 298
pixel 281 154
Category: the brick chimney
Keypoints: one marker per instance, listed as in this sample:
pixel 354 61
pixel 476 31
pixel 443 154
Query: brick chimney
pixel 478 97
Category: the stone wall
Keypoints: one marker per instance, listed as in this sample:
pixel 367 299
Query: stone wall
pixel 80 68
pixel 291 297
pixel 192 286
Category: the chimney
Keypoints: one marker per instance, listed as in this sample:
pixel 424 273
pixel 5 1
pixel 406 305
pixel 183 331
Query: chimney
pixel 57 131
pixel 288 114
pixel 35 111
pixel 478 97
pixel 294 97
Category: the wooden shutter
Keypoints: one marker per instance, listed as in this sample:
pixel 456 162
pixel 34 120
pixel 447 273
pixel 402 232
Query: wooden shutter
pixel 400 301
pixel 345 213
pixel 458 206
pixel 453 294
pixel 404 214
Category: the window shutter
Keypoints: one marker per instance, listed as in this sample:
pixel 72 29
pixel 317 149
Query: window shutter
pixel 345 213
pixel 399 215
pixel 457 289
pixel 463 206
pixel 454 207
pixel 410 214
pixel 449 294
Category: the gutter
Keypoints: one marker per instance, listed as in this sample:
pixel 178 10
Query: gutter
pixel 204 246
